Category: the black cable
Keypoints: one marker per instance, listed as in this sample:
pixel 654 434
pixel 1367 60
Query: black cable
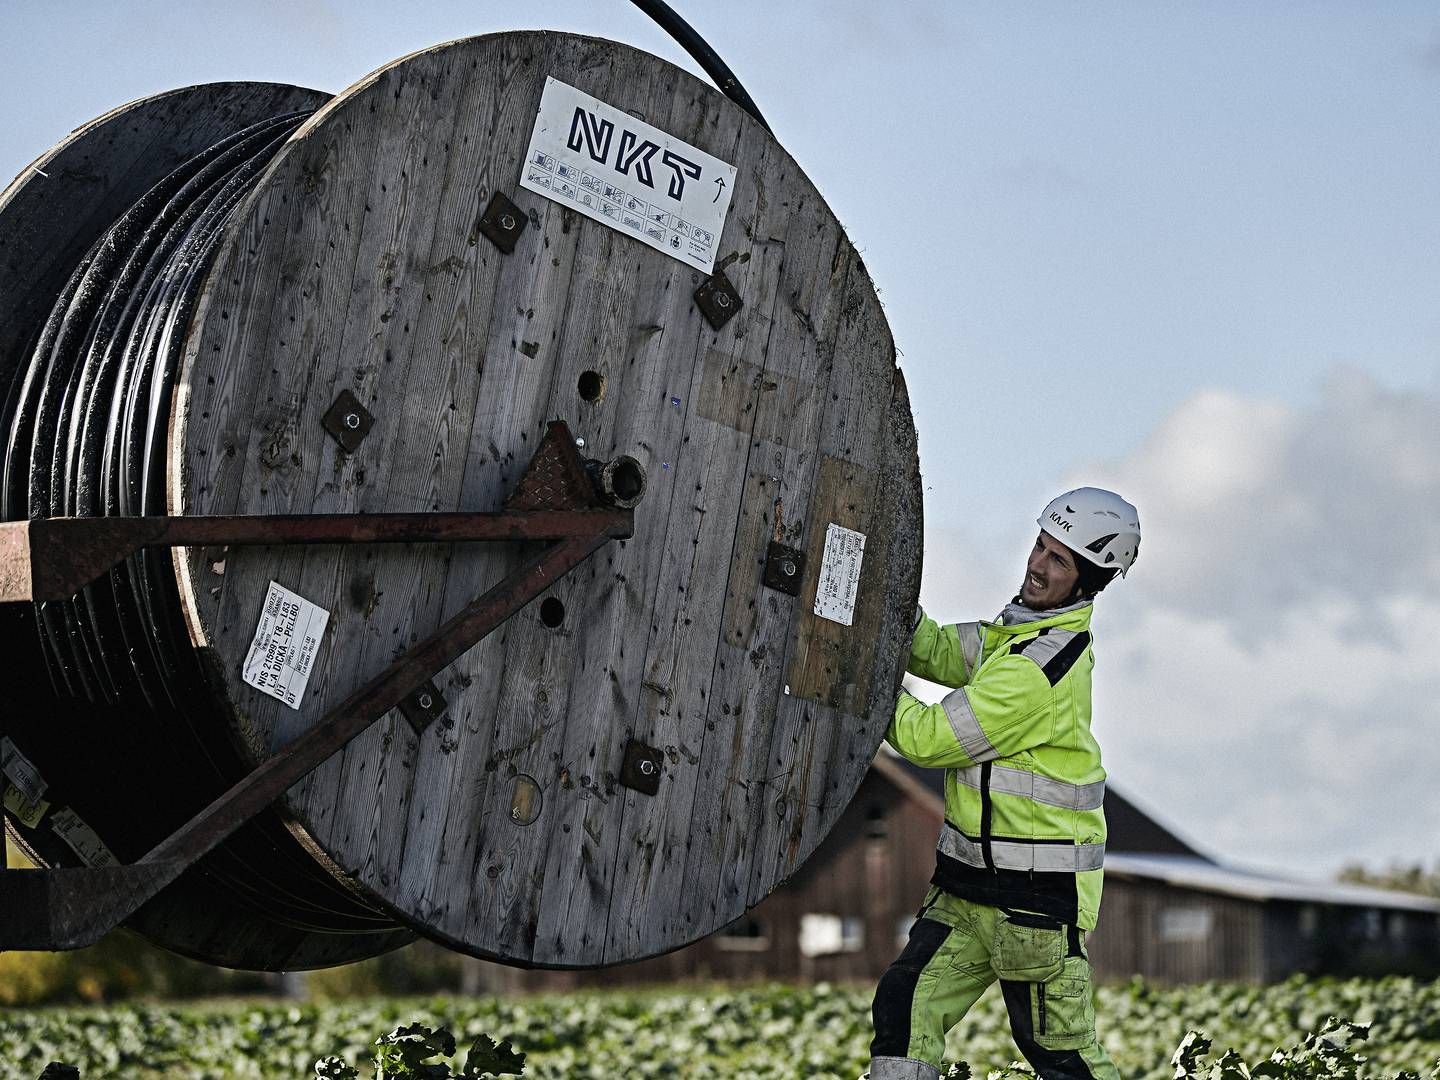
pixel 82 433
pixel 708 59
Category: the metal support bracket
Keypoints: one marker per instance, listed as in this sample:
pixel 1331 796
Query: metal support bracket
pixel 640 770
pixel 347 421
pixel 784 568
pixel 503 222
pixel 718 300
pixel 68 908
pixel 424 707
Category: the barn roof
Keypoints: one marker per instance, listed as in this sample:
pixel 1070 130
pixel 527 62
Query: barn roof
pixel 1192 873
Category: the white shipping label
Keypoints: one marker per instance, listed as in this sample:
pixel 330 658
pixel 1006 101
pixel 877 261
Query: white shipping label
pixel 839 574
pixel 627 174
pixel 21 772
pixel 283 653
pixel 83 840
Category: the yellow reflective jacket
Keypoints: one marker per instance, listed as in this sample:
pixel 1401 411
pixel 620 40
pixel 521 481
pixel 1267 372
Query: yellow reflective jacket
pixel 1024 788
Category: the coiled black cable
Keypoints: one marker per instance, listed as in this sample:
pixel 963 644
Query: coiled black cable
pixel 84 428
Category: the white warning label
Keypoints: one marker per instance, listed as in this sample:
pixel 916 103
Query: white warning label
pixel 839 574
pixel 283 653
pixel 21 772
pixel 627 174
pixel 83 840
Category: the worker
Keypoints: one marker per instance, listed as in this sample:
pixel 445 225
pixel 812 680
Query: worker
pixel 1018 864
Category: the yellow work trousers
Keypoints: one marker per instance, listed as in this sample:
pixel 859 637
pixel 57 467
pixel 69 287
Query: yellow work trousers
pixel 956 949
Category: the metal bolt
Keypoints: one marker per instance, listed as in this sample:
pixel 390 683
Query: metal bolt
pixel 722 300
pixel 352 420
pixel 580 443
pixel 425 701
pixel 788 568
pixel 647 767
pixel 507 222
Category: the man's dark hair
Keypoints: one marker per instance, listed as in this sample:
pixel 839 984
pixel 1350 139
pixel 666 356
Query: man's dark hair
pixel 1093 578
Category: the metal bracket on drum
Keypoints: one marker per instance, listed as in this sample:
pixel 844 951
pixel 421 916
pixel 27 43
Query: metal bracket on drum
pixel 559 498
pixel 718 300
pixel 784 568
pixel 503 222
pixel 640 770
pixel 348 422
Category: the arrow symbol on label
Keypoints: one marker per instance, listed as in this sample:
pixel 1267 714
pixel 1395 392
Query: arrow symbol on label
pixel 720 190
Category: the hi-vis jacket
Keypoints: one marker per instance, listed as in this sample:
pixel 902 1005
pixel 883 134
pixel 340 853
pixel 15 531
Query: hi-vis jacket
pixel 1024 823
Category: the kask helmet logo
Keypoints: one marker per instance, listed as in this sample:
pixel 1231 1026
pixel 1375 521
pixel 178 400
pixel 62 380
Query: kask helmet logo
pixel 1059 521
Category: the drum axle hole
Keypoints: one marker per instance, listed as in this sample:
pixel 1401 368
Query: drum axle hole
pixel 623 481
pixel 591 386
pixel 552 612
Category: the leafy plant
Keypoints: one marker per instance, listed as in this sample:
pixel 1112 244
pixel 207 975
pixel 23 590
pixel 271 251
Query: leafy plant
pixel 820 1032
pixel 418 1052
pixel 1327 1054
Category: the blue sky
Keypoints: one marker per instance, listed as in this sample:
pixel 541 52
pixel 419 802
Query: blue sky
pixel 1190 250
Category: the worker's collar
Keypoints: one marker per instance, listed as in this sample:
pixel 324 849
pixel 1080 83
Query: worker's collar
pixel 1016 613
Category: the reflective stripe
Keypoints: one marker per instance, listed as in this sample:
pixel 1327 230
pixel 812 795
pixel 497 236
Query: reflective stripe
pixel 971 645
pixel 1022 855
pixel 966 727
pixel 898 1068
pixel 1042 649
pixel 1053 651
pixel 1041 789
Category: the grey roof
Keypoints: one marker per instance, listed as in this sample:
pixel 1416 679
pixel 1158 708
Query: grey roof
pixel 1194 873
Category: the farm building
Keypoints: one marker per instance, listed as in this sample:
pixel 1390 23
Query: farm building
pixel 1170 912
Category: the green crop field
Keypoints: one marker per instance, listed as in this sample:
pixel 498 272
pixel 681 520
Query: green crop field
pixel 813 1032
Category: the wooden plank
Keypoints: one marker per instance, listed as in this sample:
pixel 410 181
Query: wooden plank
pixel 656 833
pixel 749 675
pixel 814 744
pixel 736 382
pixel 645 344
pixel 524 673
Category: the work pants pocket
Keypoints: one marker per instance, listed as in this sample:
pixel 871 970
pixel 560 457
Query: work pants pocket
pixel 1027 948
pixel 1036 951
pixel 1063 1008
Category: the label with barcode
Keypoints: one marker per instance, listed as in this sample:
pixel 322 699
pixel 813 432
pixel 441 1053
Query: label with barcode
pixel 282 656
pixel 839 574
pixel 83 840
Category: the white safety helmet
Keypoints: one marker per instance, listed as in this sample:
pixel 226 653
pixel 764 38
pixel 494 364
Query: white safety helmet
pixel 1097 525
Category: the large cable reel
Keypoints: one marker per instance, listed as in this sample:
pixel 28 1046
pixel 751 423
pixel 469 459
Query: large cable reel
pixel 389 318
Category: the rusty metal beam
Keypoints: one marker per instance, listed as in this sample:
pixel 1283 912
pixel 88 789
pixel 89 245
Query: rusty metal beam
pixel 54 558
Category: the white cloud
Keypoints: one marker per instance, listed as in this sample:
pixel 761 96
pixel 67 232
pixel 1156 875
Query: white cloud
pixel 1268 678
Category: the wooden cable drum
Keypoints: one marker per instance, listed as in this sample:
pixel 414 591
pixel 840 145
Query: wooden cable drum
pixel 742 649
